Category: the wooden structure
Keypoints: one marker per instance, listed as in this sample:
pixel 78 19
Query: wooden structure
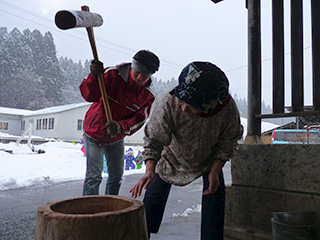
pixel 92 217
pixel 297 81
pixel 270 178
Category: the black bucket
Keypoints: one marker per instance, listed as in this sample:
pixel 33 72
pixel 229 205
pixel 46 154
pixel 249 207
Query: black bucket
pixel 294 225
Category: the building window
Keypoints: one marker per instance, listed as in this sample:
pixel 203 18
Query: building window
pixel 38 124
pixel 45 124
pixel 4 125
pixel 80 125
pixel 51 123
pixel 23 125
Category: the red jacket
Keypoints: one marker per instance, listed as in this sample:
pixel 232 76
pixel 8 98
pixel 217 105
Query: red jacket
pixel 130 104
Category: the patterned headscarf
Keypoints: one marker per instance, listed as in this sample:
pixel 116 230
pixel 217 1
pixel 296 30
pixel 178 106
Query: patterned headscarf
pixel 202 85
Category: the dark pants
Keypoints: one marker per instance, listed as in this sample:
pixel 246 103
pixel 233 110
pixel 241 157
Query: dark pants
pixel 212 211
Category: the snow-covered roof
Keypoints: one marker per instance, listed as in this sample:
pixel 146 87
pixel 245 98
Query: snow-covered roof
pixel 56 109
pixel 265 126
pixel 14 111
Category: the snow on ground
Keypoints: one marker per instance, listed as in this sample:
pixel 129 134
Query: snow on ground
pixel 188 211
pixel 61 162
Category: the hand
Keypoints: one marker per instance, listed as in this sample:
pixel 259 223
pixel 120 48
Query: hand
pixel 113 128
pixel 96 68
pixel 214 181
pixel 146 180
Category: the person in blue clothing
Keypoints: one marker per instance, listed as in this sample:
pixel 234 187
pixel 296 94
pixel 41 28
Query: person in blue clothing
pixel 130 159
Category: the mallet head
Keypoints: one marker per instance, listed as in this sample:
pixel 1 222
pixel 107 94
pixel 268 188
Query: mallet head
pixel 66 19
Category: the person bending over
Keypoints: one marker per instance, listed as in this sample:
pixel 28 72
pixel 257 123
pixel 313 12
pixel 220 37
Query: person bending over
pixel 192 132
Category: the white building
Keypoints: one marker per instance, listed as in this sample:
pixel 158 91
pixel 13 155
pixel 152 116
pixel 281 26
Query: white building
pixel 61 122
pixel 10 120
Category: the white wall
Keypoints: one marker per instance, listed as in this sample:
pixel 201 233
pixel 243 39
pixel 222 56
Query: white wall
pixel 65 125
pixel 14 124
pixel 68 123
pixel 49 133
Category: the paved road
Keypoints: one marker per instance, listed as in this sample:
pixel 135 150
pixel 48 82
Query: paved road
pixel 18 208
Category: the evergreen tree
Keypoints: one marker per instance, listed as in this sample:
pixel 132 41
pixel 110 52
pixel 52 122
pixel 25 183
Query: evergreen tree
pixel 73 74
pixel 30 73
pixel 31 76
pixel 49 69
pixel 4 66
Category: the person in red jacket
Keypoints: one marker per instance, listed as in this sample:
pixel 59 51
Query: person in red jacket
pixel 130 101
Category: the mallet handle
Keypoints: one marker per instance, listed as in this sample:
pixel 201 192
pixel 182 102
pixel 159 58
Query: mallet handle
pixel 100 77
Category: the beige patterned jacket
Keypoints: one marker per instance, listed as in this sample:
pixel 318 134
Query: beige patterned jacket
pixel 185 146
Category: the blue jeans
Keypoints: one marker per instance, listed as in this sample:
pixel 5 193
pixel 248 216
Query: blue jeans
pixel 114 153
pixel 212 211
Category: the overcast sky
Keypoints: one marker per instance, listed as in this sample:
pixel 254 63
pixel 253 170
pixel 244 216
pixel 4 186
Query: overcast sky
pixel 178 31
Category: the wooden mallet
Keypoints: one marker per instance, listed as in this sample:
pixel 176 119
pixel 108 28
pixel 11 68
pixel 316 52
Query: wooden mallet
pixel 71 19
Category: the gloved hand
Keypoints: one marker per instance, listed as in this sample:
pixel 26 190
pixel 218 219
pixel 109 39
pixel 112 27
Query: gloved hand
pixel 113 128
pixel 96 68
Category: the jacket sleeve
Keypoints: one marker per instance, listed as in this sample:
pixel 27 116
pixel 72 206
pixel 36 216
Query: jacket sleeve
pixel 135 122
pixel 159 129
pixel 90 90
pixel 231 133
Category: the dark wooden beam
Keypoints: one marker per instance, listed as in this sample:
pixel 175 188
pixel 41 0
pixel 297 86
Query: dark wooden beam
pixel 254 67
pixel 216 1
pixel 291 114
pixel 278 56
pixel 296 56
pixel 315 9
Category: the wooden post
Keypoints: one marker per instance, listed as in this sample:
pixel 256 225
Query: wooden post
pixel 315 8
pixel 296 56
pixel 254 73
pixel 278 56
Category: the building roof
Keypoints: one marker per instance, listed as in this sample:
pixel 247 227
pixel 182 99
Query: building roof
pixel 57 109
pixel 49 110
pixel 14 111
pixel 291 125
